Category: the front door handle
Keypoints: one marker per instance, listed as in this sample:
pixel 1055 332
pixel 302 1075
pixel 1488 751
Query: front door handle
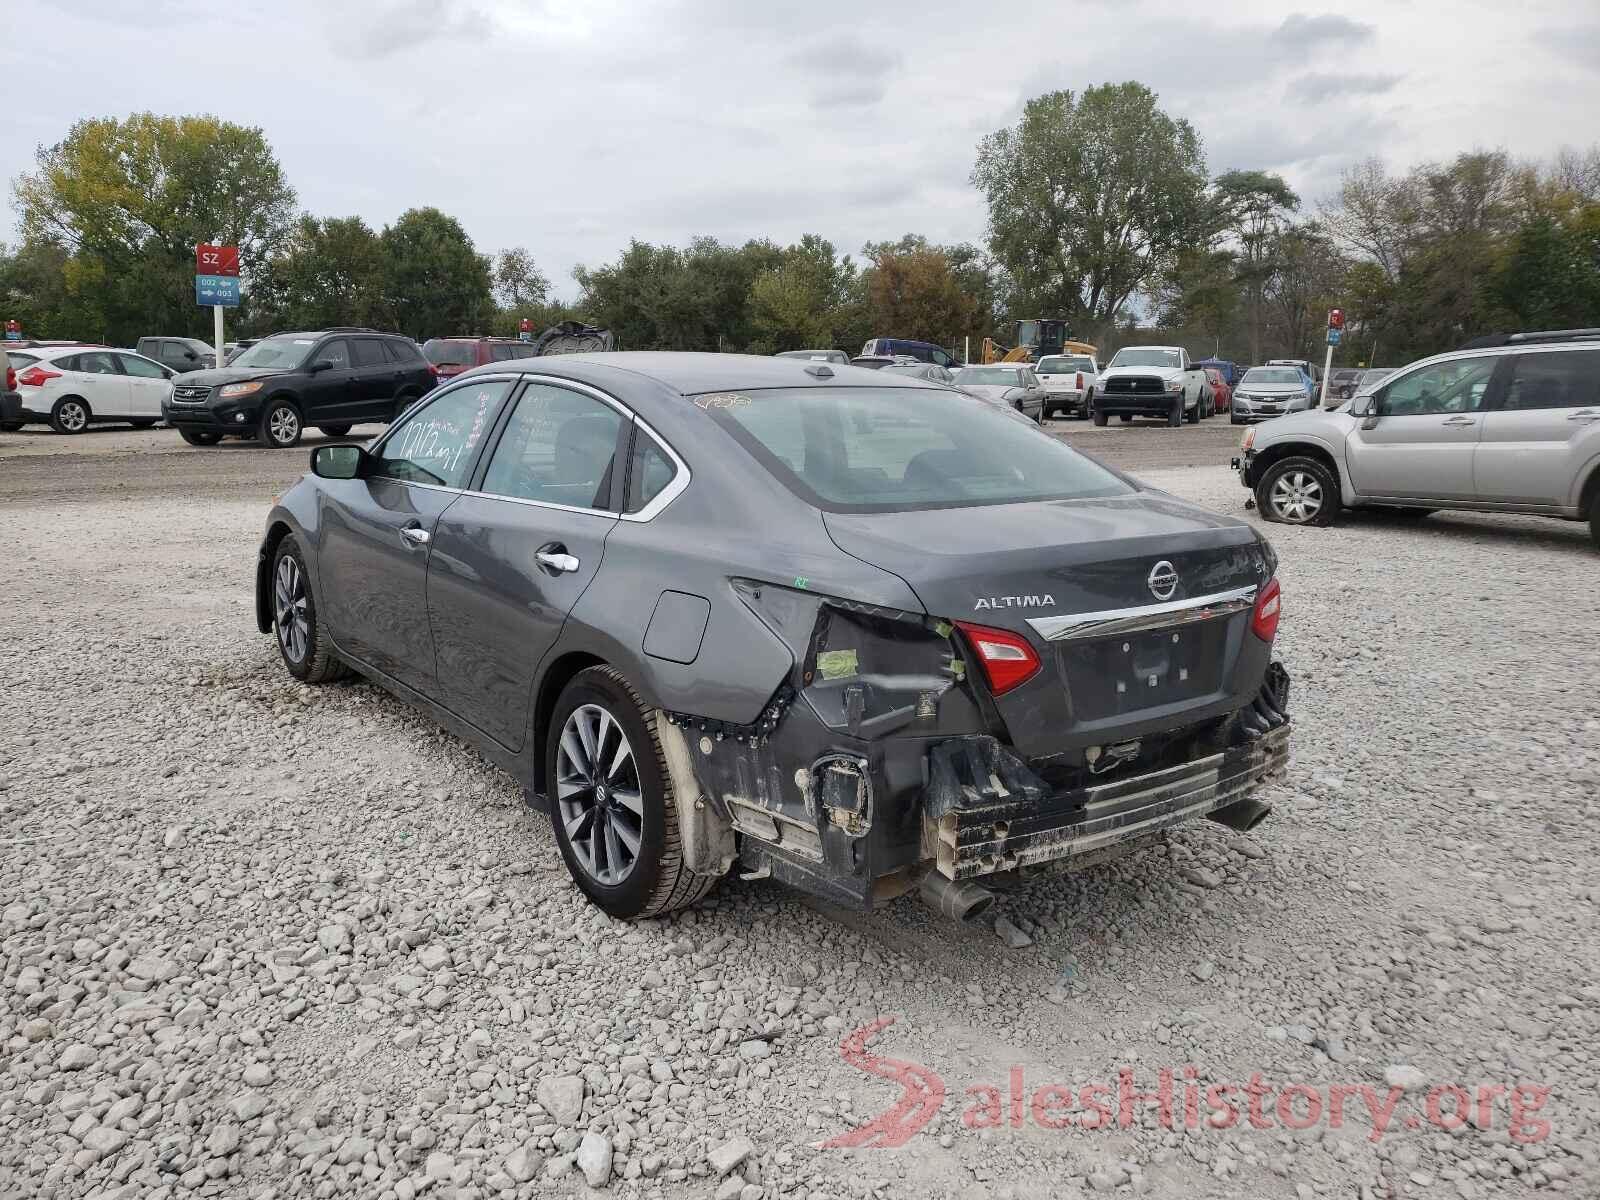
pixel 555 559
pixel 1458 421
pixel 416 535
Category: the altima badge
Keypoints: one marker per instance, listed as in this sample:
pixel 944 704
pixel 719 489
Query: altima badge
pixel 1163 580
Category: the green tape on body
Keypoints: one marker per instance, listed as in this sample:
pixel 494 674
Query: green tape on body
pixel 837 664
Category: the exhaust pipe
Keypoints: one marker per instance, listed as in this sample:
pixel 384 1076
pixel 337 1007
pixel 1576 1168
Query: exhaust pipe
pixel 1243 815
pixel 953 897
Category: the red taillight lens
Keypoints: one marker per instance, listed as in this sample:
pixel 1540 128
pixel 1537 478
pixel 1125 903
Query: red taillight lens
pixel 37 376
pixel 11 379
pixel 1080 381
pixel 1269 604
pixel 1007 658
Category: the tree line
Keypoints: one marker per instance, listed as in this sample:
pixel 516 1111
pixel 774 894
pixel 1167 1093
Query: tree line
pixel 1101 210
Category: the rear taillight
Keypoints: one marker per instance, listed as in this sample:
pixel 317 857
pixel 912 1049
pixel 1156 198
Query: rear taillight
pixel 1006 657
pixel 433 370
pixel 37 376
pixel 1269 604
pixel 11 379
pixel 1080 381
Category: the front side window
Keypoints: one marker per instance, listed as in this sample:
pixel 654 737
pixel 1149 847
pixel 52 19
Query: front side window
pixel 97 363
pixel 1452 387
pixel 1559 379
pixel 868 450
pixel 558 448
pixel 140 368
pixel 435 443
pixel 336 352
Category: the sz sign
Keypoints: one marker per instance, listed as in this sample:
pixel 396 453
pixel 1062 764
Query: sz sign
pixel 210 259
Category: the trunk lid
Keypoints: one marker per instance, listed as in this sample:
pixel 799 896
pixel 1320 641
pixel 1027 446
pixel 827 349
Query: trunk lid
pixel 1033 568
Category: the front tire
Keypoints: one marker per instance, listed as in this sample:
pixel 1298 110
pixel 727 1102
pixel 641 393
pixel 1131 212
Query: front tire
pixel 1175 417
pixel 1594 520
pixel 199 437
pixel 1298 491
pixel 1098 417
pixel 280 426
pixel 70 415
pixel 611 800
pixel 303 642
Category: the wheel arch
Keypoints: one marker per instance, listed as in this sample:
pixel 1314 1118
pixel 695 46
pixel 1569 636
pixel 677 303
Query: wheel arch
pixel 1589 490
pixel 1278 451
pixel 551 684
pixel 276 532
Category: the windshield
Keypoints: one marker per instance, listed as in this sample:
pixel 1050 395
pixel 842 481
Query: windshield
pixel 1373 377
pixel 1272 377
pixel 916 370
pixel 280 353
pixel 987 377
pixel 450 354
pixel 903 449
pixel 1135 357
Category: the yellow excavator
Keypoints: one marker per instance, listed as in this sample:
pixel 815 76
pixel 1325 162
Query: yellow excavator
pixel 1035 340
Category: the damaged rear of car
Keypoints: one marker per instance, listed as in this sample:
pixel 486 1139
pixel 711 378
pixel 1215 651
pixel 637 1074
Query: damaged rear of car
pixel 856 633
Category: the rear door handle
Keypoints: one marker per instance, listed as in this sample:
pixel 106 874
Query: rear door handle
pixel 555 559
pixel 1584 414
pixel 416 535
pixel 1461 421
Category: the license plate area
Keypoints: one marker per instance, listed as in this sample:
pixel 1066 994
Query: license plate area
pixel 1127 673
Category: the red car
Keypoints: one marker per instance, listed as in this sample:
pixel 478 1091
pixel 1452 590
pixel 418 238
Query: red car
pixel 1221 393
pixel 451 356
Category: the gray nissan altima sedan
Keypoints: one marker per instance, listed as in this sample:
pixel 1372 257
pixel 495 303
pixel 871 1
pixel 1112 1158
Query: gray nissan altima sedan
pixel 859 633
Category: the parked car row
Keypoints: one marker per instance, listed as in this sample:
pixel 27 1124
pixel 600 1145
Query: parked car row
pixel 71 387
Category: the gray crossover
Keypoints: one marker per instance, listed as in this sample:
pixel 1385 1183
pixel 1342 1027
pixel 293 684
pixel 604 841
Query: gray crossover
pixel 1508 424
pixel 856 632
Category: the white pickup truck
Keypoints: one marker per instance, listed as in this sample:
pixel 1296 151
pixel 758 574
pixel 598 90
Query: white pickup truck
pixel 1069 381
pixel 1151 381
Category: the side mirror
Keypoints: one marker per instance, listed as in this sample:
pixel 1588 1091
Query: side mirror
pixel 338 462
pixel 322 364
pixel 190 355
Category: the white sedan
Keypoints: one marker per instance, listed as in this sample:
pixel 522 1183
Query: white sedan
pixel 68 387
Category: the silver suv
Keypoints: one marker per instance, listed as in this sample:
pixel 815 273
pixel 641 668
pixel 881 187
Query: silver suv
pixel 1505 424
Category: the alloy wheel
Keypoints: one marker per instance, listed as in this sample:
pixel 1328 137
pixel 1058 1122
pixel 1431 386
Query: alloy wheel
pixel 1296 497
pixel 599 800
pixel 283 425
pixel 73 417
pixel 290 603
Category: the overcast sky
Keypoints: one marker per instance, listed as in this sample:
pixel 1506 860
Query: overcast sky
pixel 569 128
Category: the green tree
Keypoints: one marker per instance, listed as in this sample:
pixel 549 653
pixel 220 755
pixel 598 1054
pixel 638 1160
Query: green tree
pixel 327 271
pixel 913 291
pixel 130 200
pixel 1253 209
pixel 518 282
pixel 1201 293
pixel 435 282
pixel 809 300
pixel 1090 198
pixel 1305 283
pixel 1551 276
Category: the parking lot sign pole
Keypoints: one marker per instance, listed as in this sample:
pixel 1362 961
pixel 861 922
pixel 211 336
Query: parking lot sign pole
pixel 1335 332
pixel 216 283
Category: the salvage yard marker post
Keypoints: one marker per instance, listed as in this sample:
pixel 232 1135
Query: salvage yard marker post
pixel 1335 333
pixel 216 282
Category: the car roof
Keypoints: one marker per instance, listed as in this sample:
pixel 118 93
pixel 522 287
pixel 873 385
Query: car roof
pixel 690 373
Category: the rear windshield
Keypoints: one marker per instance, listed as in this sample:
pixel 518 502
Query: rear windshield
pixel 903 449
pixel 450 354
pixel 1065 365
pixel 987 376
pixel 1265 376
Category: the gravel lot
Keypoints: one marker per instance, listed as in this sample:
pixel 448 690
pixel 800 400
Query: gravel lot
pixel 265 940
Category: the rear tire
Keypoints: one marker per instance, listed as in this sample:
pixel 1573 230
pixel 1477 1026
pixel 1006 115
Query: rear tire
pixel 1192 415
pixel 280 426
pixel 1298 491
pixel 70 415
pixel 1125 418
pixel 303 642
pixel 10 427
pixel 401 406
pixel 616 823
pixel 199 437
pixel 1098 417
pixel 334 431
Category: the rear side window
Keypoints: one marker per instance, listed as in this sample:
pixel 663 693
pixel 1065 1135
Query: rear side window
pixel 902 449
pixel 436 442
pixel 557 448
pixel 650 469
pixel 1558 379
pixel 366 352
